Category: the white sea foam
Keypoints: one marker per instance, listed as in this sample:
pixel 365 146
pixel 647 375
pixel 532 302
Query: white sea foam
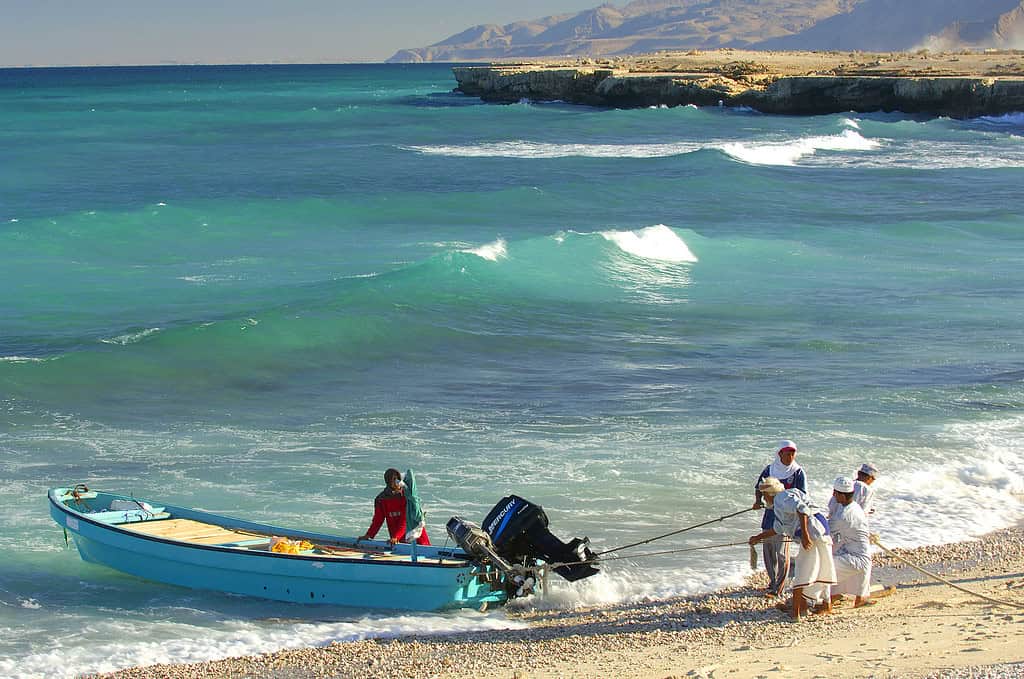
pixel 491 251
pixel 976 492
pixel 530 149
pixel 130 338
pixel 755 152
pixel 20 359
pixel 848 143
pixel 789 152
pixel 203 279
pixel 944 155
pixel 165 642
pixel 654 242
pixel 624 581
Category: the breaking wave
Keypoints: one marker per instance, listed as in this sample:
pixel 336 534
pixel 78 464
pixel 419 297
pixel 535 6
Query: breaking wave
pixel 754 152
pixel 654 242
pixel 789 152
pixel 530 149
pixel 131 338
pixel 492 251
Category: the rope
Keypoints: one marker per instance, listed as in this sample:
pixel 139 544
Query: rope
pixel 76 493
pixel 999 602
pixel 641 556
pixel 676 532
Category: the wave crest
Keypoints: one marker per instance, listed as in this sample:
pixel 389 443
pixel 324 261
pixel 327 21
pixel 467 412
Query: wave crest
pixel 530 149
pixel 130 338
pixel 789 152
pixel 492 251
pixel 654 242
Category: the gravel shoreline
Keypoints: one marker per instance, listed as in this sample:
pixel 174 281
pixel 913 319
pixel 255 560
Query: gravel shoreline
pixel 696 632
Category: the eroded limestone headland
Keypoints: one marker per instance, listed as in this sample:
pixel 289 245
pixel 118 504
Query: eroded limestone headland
pixel 958 85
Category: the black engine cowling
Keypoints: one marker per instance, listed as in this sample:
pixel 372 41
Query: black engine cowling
pixel 519 531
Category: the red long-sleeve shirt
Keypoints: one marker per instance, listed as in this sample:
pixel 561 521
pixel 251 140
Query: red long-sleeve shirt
pixel 390 506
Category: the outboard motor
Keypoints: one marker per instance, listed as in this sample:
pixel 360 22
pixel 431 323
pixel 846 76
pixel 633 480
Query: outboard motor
pixel 519 531
pixel 519 579
pixel 475 541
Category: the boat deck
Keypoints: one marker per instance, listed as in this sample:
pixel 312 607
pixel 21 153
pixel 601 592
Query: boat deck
pixel 197 532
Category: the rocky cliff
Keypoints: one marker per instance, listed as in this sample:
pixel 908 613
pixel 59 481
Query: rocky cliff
pixel 879 84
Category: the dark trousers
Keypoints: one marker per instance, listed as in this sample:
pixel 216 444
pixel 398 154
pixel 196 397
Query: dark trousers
pixel 776 561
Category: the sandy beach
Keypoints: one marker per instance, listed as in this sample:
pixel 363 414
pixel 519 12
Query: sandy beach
pixel 924 629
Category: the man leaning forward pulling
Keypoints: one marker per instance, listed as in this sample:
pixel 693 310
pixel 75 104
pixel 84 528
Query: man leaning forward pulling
pixel 851 551
pixel 798 518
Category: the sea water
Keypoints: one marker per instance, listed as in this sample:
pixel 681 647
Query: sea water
pixel 252 289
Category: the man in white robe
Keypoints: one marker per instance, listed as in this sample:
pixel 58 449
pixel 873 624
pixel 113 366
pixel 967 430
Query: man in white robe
pixel 863 493
pixel 851 544
pixel 797 517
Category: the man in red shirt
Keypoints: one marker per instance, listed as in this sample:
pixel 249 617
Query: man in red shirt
pixel 390 506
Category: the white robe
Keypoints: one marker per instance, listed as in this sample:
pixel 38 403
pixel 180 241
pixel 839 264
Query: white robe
pixel 815 570
pixel 851 551
pixel 864 495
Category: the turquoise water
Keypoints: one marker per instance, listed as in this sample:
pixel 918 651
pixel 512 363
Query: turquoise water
pixel 251 289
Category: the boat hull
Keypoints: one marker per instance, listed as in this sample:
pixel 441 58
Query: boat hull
pixel 427 584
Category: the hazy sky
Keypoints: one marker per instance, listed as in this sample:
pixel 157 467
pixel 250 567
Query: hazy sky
pixel 66 32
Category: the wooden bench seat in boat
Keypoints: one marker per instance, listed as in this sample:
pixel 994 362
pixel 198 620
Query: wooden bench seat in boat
pixel 197 532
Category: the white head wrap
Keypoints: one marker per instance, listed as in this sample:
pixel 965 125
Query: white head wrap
pixel 783 471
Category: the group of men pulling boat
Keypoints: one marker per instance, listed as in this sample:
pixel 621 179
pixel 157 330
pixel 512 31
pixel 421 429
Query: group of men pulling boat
pixel 832 559
pixel 833 553
pixel 832 545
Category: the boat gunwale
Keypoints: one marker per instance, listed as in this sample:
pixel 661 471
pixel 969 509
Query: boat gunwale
pixel 423 562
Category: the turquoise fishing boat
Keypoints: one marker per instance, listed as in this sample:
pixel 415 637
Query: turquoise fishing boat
pixel 201 550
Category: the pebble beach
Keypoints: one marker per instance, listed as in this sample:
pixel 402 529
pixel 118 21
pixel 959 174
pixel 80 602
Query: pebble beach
pixel 924 629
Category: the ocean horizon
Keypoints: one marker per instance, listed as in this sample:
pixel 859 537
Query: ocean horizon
pixel 252 288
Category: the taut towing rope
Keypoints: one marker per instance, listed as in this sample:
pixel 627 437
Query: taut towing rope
pixel 676 532
pixel 876 541
pixel 646 554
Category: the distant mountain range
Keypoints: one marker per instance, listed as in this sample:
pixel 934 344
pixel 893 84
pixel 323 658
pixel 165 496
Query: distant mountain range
pixel 652 25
